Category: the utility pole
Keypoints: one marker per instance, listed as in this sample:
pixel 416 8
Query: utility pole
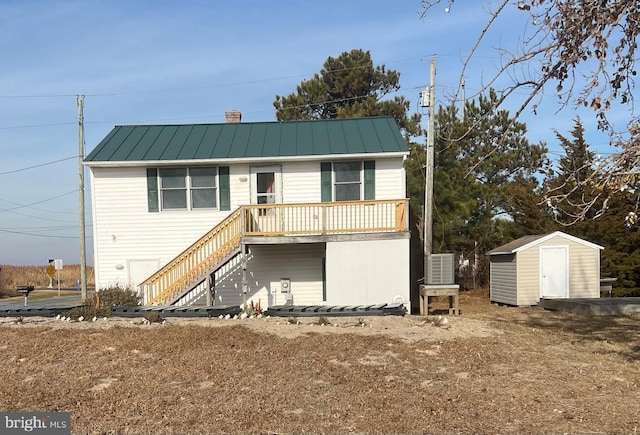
pixel 83 254
pixel 429 167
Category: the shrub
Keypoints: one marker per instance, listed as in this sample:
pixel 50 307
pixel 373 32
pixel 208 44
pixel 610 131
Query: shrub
pixel 104 301
pixel 116 296
pixel 252 310
pixel 88 311
pixel 153 317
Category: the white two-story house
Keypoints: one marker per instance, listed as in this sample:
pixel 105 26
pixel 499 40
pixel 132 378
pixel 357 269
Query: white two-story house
pixel 300 212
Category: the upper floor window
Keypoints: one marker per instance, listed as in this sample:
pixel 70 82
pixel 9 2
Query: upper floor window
pixel 347 181
pixel 188 188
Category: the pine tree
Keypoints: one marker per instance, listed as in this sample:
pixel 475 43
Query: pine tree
pixel 573 179
pixel 475 190
pixel 349 86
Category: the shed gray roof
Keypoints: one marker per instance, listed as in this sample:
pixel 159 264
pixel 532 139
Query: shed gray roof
pixel 532 240
pixel 140 143
pixel 512 246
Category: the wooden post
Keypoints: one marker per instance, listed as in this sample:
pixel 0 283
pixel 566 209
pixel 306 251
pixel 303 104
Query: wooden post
pixel 245 283
pixel 210 300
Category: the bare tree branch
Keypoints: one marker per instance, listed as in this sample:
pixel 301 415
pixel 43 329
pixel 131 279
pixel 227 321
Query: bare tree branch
pixel 588 49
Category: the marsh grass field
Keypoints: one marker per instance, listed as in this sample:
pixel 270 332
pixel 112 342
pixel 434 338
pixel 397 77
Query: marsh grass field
pixel 13 276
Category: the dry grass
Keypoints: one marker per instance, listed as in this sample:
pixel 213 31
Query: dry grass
pixel 492 370
pixel 14 276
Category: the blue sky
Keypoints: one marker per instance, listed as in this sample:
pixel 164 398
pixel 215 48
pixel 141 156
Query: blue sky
pixel 189 62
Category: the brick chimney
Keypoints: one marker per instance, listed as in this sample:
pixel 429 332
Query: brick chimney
pixel 233 116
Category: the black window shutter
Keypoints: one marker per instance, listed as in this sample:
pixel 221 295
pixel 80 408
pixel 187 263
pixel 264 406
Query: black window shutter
pixel 325 182
pixel 152 189
pixel 225 190
pixel 369 179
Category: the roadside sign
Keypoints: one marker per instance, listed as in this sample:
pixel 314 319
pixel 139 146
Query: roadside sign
pixel 51 270
pixel 57 264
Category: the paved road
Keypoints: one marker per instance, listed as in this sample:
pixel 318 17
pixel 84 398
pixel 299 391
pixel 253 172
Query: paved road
pixel 54 302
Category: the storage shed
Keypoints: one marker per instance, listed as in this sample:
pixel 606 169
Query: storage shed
pixel 555 265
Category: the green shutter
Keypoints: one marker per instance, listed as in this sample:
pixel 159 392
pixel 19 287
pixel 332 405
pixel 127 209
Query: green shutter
pixel 225 191
pixel 325 182
pixel 369 179
pixel 152 189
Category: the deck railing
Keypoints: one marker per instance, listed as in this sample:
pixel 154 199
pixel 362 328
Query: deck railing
pixel 195 261
pixel 224 240
pixel 326 218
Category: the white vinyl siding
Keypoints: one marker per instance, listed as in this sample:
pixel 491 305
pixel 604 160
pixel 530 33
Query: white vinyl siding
pixel 368 272
pixel 124 229
pixel 301 181
pixel 390 179
pixel 266 266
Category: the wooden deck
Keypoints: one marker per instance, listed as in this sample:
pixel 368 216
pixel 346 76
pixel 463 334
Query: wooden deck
pixel 627 306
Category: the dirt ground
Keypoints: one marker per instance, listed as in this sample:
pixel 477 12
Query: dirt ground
pixel 491 370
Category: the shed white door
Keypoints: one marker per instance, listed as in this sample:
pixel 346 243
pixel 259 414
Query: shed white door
pixel 554 272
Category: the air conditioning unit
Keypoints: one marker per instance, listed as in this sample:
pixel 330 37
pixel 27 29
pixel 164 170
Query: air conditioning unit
pixel 440 269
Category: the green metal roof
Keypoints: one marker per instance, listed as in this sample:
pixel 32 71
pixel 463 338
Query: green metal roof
pixel 134 143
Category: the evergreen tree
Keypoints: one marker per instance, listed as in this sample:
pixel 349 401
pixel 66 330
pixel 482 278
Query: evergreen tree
pixel 621 255
pixel 495 176
pixel 620 238
pixel 349 86
pixel 527 211
pixel 571 186
pixel 481 199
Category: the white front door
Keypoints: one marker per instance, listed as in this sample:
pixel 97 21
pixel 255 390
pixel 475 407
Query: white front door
pixel 554 272
pixel 266 184
pixel 266 189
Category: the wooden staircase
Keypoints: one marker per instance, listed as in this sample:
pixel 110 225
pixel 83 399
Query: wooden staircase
pixel 213 250
pixel 195 263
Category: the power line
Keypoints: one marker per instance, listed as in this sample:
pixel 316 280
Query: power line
pixel 39 209
pixel 39 202
pixel 38 166
pixel 37 125
pixel 55 95
pixel 39 235
pixel 38 217
pixel 56 228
